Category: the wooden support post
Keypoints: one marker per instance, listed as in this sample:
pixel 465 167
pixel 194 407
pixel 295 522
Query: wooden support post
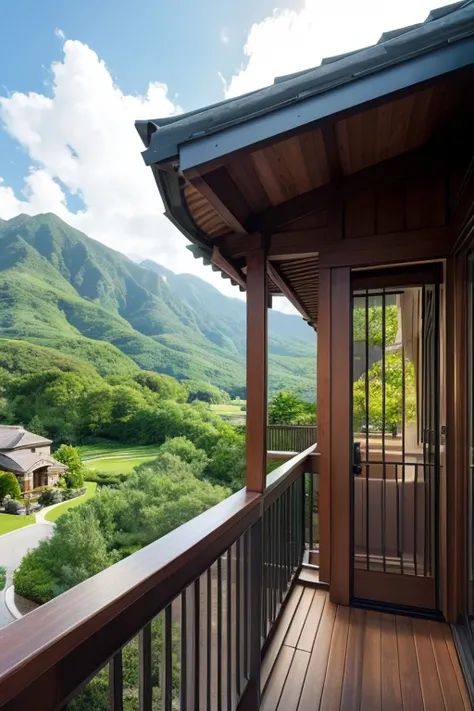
pixel 324 422
pixel 257 339
pixel 341 436
pixel 334 431
pixel 453 485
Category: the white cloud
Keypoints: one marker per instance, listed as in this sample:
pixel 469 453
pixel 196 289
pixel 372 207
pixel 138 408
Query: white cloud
pixel 59 33
pixel 292 40
pixel 82 140
pixel 224 36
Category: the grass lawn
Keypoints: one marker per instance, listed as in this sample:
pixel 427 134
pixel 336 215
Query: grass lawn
pixel 10 522
pixel 117 465
pixel 115 449
pixel 3 577
pixel 54 514
pixel 115 458
pixel 231 411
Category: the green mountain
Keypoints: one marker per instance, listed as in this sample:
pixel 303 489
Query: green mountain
pixel 62 290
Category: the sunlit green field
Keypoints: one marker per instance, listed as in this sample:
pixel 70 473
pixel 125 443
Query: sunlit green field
pixel 231 411
pixel 114 458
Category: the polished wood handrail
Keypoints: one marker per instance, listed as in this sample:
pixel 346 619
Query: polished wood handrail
pixel 283 476
pixel 54 650
pixel 50 652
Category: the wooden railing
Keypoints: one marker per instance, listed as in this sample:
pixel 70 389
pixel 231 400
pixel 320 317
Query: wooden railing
pixel 179 624
pixel 290 438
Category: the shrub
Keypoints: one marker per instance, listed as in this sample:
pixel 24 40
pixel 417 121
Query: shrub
pixel 13 507
pixel 50 497
pixel 9 486
pixel 68 494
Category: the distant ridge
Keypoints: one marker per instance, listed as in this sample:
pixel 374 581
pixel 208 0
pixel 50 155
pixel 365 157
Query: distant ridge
pixel 63 290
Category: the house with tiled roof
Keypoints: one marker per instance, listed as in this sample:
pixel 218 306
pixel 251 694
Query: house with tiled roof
pixel 28 456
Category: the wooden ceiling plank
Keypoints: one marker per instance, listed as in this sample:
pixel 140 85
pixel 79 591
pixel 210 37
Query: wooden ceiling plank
pixel 314 156
pixel 267 176
pixel 420 162
pixel 244 175
pixel 223 194
pixel 332 152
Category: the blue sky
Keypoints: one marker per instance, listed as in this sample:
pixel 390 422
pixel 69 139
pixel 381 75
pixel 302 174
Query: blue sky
pixel 75 74
pixel 184 44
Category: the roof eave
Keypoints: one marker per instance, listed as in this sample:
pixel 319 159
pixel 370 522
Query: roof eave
pixel 355 91
pixel 166 139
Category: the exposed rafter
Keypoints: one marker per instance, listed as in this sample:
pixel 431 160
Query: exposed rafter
pixel 226 267
pixel 224 195
pixel 285 289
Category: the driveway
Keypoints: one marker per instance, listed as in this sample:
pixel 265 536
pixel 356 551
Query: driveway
pixel 13 547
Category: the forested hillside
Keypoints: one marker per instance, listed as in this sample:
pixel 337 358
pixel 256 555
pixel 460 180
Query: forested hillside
pixel 61 290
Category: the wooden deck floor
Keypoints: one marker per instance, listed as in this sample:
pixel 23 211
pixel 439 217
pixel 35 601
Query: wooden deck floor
pixel 331 658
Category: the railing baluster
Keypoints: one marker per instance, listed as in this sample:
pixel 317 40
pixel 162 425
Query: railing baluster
pixel 255 613
pixel 184 652
pixel 219 634
pixel 238 618
pixel 144 662
pixel 229 629
pixel 197 641
pixel 209 639
pixel 280 548
pixel 247 592
pixel 167 682
pixel 265 574
pixel 116 683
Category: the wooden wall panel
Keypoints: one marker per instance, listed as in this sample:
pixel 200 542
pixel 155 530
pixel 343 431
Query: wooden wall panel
pixel 390 209
pixel 359 215
pixel 426 203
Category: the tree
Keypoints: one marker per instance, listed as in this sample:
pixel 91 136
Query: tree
pixel 187 452
pixel 374 316
pixel 70 456
pixel 164 386
pixel 9 486
pixel 205 392
pixel 385 394
pixel 75 552
pixel 286 408
pixel 227 465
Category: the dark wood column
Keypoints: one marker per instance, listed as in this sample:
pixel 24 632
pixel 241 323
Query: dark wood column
pixel 257 340
pixel 324 422
pixel 334 430
pixel 453 474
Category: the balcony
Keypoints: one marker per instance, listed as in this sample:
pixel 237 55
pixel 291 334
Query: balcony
pixel 218 617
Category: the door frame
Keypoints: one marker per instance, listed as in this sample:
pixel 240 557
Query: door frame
pixel 383 587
